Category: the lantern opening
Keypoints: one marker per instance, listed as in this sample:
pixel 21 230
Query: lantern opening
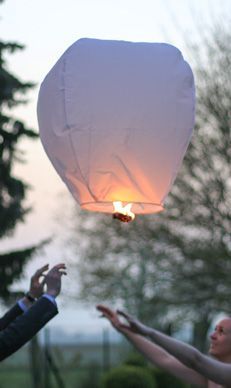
pixel 123 213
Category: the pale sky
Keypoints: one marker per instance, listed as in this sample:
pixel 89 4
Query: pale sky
pixel 47 28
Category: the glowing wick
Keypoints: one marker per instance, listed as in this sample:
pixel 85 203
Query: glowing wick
pixel 121 213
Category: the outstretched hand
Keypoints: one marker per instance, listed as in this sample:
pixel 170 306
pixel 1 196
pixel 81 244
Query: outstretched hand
pixel 112 316
pixel 37 283
pixel 133 325
pixel 53 279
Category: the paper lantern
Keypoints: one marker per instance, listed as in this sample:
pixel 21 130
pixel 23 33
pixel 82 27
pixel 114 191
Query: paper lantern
pixel 115 119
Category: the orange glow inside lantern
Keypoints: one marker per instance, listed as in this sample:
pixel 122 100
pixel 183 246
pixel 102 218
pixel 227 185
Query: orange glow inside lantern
pixel 123 213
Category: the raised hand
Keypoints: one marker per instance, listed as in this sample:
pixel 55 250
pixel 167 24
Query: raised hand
pixel 134 324
pixel 112 316
pixel 37 283
pixel 53 279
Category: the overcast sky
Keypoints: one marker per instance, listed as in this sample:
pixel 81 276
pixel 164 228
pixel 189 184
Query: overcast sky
pixel 47 28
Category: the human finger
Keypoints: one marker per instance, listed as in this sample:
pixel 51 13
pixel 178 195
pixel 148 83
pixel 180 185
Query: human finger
pixel 125 315
pixel 106 315
pixel 105 310
pixel 55 275
pixel 36 277
pixel 123 326
pixel 41 270
pixel 57 271
pixel 63 273
pixel 58 266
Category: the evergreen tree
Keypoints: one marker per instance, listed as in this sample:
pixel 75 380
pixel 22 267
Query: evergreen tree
pixel 12 189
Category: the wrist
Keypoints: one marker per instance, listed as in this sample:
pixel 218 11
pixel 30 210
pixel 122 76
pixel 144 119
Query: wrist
pixel 50 298
pixel 52 293
pixel 24 303
pixel 28 295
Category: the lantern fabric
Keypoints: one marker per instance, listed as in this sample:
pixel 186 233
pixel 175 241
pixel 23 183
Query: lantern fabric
pixel 115 119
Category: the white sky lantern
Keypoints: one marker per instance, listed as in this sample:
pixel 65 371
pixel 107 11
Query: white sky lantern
pixel 115 119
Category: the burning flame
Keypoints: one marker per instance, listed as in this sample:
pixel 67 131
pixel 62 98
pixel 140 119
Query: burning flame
pixel 123 213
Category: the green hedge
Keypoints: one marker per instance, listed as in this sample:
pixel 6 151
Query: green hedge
pixel 128 376
pixel 135 373
pixel 164 379
pixel 135 359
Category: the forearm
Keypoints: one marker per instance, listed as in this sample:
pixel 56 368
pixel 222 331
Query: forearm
pixel 185 353
pixel 155 354
pixel 162 359
pixel 25 327
pixel 10 316
pixel 26 303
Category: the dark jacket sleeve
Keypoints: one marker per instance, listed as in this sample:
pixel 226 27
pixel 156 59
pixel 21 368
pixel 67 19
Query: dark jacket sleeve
pixel 10 316
pixel 25 326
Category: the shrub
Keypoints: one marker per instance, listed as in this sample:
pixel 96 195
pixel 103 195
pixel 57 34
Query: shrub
pixel 164 379
pixel 135 359
pixel 128 377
